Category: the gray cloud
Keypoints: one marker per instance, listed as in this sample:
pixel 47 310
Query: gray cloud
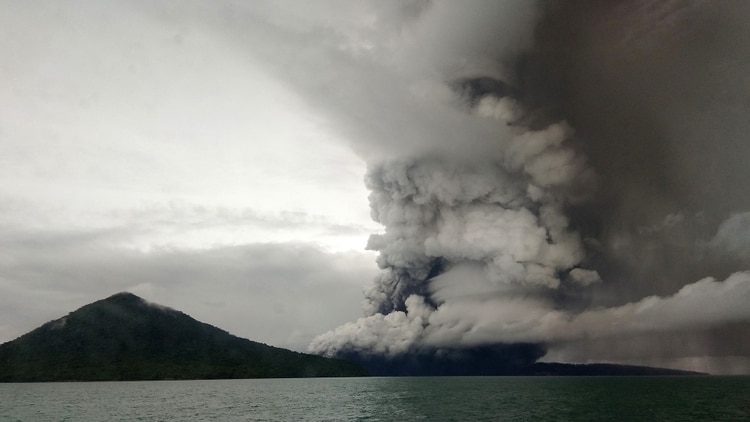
pixel 275 293
pixel 182 217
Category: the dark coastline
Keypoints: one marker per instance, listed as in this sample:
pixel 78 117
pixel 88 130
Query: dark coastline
pixel 125 338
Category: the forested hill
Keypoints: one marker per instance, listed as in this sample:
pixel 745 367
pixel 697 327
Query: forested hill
pixel 124 337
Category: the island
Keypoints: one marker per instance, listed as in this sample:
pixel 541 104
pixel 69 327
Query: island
pixel 124 337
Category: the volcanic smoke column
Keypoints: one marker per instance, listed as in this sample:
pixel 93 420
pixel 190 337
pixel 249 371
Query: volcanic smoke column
pixel 483 225
pixel 564 174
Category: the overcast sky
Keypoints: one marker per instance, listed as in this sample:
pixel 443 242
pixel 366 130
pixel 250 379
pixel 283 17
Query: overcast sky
pixel 386 176
pixel 143 151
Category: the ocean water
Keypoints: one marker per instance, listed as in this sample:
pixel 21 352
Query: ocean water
pixel 385 399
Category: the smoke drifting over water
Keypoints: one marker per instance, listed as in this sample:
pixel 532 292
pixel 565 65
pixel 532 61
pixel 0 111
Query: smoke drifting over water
pixel 566 174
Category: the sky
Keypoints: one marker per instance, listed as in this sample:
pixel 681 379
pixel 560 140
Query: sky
pixel 385 177
pixel 141 151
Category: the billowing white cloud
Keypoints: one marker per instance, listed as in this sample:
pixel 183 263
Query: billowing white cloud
pixel 476 313
pixel 733 237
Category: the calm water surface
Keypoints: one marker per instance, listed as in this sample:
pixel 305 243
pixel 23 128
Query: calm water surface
pixel 385 399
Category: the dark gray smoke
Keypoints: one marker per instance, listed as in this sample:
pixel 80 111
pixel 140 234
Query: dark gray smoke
pixel 551 173
pixel 658 92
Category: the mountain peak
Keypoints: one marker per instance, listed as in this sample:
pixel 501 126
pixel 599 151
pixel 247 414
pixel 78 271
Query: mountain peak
pixel 130 299
pixel 124 295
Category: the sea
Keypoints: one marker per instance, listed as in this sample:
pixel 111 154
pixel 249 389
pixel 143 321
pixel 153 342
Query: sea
pixel 709 398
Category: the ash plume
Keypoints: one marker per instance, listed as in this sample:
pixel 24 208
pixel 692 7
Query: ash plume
pixel 555 174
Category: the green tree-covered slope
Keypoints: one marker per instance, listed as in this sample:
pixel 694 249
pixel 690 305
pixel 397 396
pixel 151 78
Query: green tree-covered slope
pixel 124 337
